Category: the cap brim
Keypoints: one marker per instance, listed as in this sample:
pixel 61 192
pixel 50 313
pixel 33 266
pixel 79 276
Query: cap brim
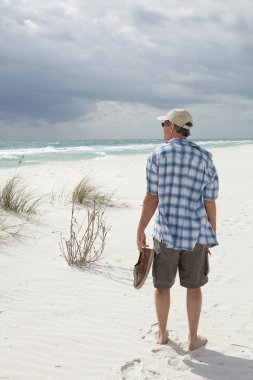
pixel 163 118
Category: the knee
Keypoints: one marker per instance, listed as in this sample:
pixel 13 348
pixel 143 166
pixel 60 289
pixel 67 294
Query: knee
pixel 162 292
pixel 194 290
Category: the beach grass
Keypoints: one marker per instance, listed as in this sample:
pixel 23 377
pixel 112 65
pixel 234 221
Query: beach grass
pixel 88 194
pixel 14 196
pixel 58 197
pixel 10 229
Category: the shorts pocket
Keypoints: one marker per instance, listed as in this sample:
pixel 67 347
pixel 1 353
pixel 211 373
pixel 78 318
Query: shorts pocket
pixel 157 248
pixel 206 267
pixel 154 267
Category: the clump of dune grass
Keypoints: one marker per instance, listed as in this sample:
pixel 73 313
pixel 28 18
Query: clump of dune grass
pixel 86 193
pixel 86 242
pixel 14 196
pixel 10 229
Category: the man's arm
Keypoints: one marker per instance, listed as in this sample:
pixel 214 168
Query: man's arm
pixel 148 209
pixel 210 207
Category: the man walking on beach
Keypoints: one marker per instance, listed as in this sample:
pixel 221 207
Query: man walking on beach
pixel 182 183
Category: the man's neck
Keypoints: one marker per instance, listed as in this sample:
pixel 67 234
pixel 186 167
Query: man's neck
pixel 177 137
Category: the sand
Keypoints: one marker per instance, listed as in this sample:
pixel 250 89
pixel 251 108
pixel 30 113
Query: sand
pixel 59 322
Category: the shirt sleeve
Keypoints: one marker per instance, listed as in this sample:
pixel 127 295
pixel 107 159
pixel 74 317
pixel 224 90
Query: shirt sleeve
pixel 211 187
pixel 152 175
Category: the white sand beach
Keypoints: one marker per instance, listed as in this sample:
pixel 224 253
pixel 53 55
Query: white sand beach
pixel 60 322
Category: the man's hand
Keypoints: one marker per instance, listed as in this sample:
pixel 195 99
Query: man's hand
pixel 148 209
pixel 141 240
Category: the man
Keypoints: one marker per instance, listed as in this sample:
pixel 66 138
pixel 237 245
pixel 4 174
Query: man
pixel 182 183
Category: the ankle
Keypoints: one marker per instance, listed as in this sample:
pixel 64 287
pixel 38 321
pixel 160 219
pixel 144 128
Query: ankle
pixel 192 337
pixel 163 333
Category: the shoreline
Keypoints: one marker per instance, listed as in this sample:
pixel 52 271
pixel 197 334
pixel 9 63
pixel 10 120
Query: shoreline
pixel 100 155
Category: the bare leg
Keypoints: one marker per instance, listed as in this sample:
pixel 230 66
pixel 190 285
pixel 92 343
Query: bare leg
pixel 162 304
pixel 194 303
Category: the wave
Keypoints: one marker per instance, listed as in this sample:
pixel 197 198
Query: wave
pixel 74 149
pixel 47 149
pixel 37 151
pixel 9 157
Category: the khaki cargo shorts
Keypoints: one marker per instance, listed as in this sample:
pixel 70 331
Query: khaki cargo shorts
pixel 193 266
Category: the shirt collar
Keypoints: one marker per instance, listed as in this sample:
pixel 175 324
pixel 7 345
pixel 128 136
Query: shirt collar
pixel 176 140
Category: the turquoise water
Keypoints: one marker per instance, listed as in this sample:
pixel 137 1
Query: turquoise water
pixel 36 152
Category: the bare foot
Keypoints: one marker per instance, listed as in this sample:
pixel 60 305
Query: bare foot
pixel 162 339
pixel 197 343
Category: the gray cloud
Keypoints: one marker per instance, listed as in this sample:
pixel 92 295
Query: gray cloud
pixel 62 62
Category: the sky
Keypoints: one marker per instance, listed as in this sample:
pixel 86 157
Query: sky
pixel 79 69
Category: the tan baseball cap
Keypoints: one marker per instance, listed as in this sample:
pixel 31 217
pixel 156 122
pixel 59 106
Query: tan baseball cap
pixel 179 117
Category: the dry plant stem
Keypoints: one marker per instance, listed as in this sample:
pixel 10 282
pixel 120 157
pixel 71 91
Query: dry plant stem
pixel 90 246
pixel 57 196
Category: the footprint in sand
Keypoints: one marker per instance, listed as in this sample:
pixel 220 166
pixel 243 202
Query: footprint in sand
pixel 173 361
pixel 166 352
pixel 132 370
pixel 157 351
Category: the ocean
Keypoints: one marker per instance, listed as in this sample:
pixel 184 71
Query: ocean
pixel 37 152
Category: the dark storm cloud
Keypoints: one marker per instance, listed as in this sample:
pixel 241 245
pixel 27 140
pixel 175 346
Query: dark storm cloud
pixel 60 59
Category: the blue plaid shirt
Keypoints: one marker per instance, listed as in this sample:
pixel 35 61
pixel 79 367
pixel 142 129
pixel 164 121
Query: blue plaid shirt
pixel 183 175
